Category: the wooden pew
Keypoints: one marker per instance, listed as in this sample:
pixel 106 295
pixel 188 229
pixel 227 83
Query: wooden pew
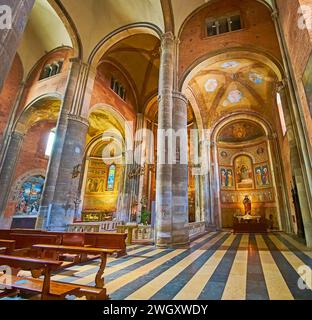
pixel 9 246
pixel 24 242
pixel 108 240
pixel 99 292
pixel 38 267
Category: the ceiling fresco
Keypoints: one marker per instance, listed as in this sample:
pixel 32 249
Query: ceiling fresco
pixel 240 131
pixel 101 121
pixel 230 85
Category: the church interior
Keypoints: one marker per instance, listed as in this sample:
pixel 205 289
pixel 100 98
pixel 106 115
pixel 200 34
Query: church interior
pixel 156 150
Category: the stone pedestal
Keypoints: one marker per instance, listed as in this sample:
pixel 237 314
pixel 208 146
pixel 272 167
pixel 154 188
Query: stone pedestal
pixel 10 38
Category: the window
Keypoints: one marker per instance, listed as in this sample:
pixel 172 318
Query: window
pixel 50 143
pixel 281 113
pixel 111 177
pixel 51 69
pixel 223 25
pixel 118 88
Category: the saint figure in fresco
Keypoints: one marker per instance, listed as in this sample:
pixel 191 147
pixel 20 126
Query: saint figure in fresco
pixel 223 178
pixel 259 176
pixel 229 178
pixel 265 176
pixel 247 205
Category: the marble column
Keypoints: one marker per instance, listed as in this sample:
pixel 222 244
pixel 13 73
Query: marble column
pixel 164 168
pixel 8 168
pixel 180 218
pixel 302 149
pixel 57 205
pixel 296 168
pixel 11 34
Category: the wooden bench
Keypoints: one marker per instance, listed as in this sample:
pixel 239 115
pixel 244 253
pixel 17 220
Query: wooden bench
pixel 106 240
pixel 38 267
pixel 99 292
pixel 9 246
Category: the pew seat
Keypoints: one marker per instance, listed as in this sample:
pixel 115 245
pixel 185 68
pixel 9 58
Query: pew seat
pixel 57 290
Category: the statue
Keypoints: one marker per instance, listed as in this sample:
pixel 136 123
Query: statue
pixel 247 205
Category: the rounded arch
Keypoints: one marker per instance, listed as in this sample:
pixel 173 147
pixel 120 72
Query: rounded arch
pixel 119 34
pixel 42 60
pixel 232 53
pixel 126 135
pixel 36 110
pixel 266 3
pixel 69 25
pixel 240 115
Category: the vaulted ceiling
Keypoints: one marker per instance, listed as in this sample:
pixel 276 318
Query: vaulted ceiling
pixel 138 58
pixel 54 23
pixel 228 85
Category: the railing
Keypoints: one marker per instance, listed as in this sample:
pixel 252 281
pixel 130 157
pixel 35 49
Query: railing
pixel 105 226
pixel 139 232
pixel 196 228
pixel 144 232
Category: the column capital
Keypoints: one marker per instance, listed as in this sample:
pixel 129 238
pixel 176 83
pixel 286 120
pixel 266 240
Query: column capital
pixel 179 95
pixel 275 14
pixel 82 120
pixel 167 36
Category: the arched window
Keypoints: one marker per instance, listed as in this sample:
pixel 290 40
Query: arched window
pixel 111 177
pixel 50 70
pixel 45 72
pixel 281 113
pixel 50 143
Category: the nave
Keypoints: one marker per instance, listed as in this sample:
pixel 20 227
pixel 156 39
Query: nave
pixel 216 266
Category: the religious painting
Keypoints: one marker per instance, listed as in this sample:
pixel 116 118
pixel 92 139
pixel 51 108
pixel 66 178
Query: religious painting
pixel 262 176
pixel 230 64
pixel 227 178
pixel 255 78
pixel 234 96
pixel 29 196
pixel 211 85
pixel 307 83
pixel 243 173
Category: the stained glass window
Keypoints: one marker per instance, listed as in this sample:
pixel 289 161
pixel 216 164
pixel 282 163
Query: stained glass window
pixel 111 177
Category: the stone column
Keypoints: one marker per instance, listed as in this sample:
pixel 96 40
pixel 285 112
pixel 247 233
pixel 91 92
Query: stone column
pixel 180 218
pixel 56 208
pixel 18 12
pixel 8 168
pixel 164 168
pixel 296 168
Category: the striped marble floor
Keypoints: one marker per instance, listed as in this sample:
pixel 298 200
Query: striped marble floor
pixel 217 266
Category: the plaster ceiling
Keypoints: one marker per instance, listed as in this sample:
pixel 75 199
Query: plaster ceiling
pixel 139 50
pixel 233 84
pixel 44 32
pixel 43 109
pixel 95 19
pixel 241 131
pixel 101 121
